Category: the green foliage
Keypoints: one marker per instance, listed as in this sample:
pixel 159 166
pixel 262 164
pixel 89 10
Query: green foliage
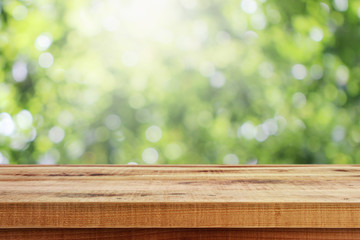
pixel 179 81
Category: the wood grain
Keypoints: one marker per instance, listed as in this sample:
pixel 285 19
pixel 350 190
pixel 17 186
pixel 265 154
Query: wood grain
pixel 305 196
pixel 180 234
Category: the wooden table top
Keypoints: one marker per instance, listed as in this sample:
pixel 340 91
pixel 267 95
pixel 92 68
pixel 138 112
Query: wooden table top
pixel 180 196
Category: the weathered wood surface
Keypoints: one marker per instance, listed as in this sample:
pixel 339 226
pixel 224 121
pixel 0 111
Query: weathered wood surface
pixel 268 196
pixel 179 234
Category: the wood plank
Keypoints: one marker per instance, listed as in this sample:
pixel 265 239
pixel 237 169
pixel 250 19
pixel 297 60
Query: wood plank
pixel 180 234
pixel 275 196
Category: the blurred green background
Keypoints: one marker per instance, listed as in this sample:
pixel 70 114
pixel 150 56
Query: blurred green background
pixel 170 82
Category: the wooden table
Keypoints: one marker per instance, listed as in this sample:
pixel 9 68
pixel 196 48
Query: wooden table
pixel 180 202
